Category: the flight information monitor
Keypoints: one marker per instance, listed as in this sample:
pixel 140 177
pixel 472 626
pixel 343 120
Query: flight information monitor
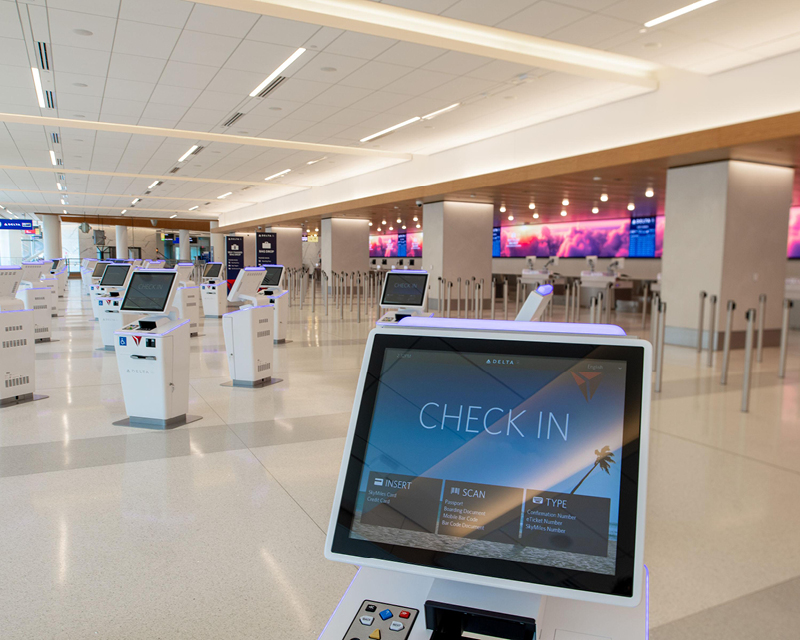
pixel 115 275
pixel 212 270
pixel 149 291
pixel 513 459
pixel 404 289
pixel 272 278
pixel 99 269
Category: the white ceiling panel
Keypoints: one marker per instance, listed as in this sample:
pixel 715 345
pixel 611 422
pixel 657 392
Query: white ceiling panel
pixel 184 74
pixel 224 22
pixel 107 8
pixel 280 31
pixel 15 76
pixel 457 63
pixel 238 83
pixel 68 28
pixel 409 54
pixel 217 100
pixel 315 112
pixel 117 107
pixel 150 40
pixel 204 48
pixel 13 52
pixel 169 13
pixel 263 58
pixel 542 18
pixel 78 60
pixel 380 101
pixel 588 5
pixel 208 117
pixel 359 45
pixel 321 38
pixel 375 75
pixel 179 96
pixel 482 12
pixel 128 89
pixel 132 67
pixel 328 67
pixel 79 103
pixel 18 95
pixel 297 90
pixel 459 89
pixel 9 21
pixel 594 29
pixel 341 96
pixel 418 81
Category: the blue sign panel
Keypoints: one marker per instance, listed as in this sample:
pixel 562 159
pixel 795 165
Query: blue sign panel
pixel 266 248
pixel 643 238
pixel 496 242
pixel 16 224
pixel 234 257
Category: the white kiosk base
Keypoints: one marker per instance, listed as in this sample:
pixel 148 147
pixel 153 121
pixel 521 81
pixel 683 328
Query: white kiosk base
pixel 187 300
pixel 154 371
pixel 52 284
pixel 556 618
pixel 17 357
pixel 37 299
pixel 248 342
pixel 214 296
pixel 281 320
pixel 113 320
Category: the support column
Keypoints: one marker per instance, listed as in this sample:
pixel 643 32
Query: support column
pixel 457 244
pixel 217 244
pixel 345 245
pixel 121 234
pixel 51 236
pixel 184 250
pixel 725 233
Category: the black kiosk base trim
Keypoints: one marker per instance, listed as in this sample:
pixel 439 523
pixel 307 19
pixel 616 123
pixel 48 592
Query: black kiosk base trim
pixel 450 622
pixel 256 384
pixel 21 399
pixel 152 423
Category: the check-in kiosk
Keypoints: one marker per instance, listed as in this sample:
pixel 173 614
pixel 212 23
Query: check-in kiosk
pixel 593 282
pixel 60 271
pixel 531 276
pixel 272 289
pixel 36 297
pixel 87 270
pixel 494 482
pixel 17 356
pixel 113 284
pixel 214 291
pixel 96 291
pixel 153 353
pixel 49 280
pixel 248 332
pixel 187 299
pixel 404 294
pixel 153 264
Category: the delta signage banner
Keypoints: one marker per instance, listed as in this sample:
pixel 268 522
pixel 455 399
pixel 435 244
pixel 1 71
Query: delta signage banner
pixel 266 248
pixel 16 224
pixel 234 257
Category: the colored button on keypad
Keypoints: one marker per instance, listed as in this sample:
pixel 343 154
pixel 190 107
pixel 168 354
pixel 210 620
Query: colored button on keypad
pixel 385 614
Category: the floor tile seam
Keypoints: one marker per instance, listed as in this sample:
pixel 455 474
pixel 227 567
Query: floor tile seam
pixel 721 450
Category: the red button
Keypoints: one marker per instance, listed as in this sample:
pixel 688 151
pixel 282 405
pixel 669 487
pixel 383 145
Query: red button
pixel 405 614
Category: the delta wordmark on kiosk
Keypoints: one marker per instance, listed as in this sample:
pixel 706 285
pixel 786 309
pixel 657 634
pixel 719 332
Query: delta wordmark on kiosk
pixel 494 482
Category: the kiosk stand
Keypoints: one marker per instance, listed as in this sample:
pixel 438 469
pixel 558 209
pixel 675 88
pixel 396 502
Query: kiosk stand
pixel 95 290
pixel 48 280
pixel 87 268
pixel 113 283
pixel 248 333
pixel 37 298
pixel 494 482
pixel 153 354
pixel 536 304
pixel 153 264
pixel 272 289
pixel 187 300
pixel 17 355
pixel 404 293
pixel 214 291
pixel 536 277
pixel 61 272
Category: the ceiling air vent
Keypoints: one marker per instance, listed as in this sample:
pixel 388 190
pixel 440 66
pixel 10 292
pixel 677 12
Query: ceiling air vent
pixel 175 170
pixel 198 150
pixel 62 177
pixel 232 119
pixel 50 99
pixel 59 161
pixel 272 86
pixel 56 138
pixel 44 60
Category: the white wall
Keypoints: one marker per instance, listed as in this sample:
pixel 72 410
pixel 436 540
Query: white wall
pixel 345 245
pixel 289 246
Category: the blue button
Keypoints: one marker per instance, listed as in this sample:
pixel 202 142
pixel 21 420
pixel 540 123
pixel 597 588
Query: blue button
pixel 385 614
pixel 123 341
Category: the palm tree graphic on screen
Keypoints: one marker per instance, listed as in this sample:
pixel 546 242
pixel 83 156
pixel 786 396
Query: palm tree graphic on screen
pixel 605 458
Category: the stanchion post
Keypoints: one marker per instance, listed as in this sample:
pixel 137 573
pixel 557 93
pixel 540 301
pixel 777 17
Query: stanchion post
pixel 313 293
pixel 703 296
pixel 576 301
pixel 493 295
pixel 358 296
pixel 712 329
pixel 567 305
pixel 505 297
pixel 787 306
pixel 762 308
pixel 439 305
pixel 645 300
pixel 466 297
pixel 726 349
pixel 449 297
pixel 748 359
pixel 662 323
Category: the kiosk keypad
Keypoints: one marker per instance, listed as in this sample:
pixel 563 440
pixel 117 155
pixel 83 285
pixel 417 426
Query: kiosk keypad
pixel 381 621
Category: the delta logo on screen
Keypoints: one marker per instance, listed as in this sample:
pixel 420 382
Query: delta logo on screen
pixel 588 382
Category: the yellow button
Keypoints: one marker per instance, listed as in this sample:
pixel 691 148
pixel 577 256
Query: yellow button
pixel 375 635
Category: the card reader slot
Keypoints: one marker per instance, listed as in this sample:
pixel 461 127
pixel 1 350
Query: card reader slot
pixel 135 357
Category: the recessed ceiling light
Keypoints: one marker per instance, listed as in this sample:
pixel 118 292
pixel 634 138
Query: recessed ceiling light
pixel 510 217
pixel 370 224
pixel 64 211
pixel 317 229
pixel 433 114
pixel 391 228
pixel 390 129
pixel 317 160
pixel 194 208
pixel 225 195
pixel 379 229
pixel 383 221
pixel 82 32
pixel 502 208
pixel 595 210
pixel 63 201
pixel 415 218
pixel 678 12
pixel 565 202
pixel 535 216
pixel 135 200
pixel 60 188
pixel 531 206
pixel 649 193
pixel 277 175
pixel 37 83
pixel 123 212
pixel 563 213
pixel 403 227
pixel 399 220
pixel 652 45
pixel 597 178
pixel 604 197
pixel 175 215
pixel 277 71
pixel 328 69
pixel 419 226
pixel 188 153
pixel 53 156
pixel 82 85
pixel 631 206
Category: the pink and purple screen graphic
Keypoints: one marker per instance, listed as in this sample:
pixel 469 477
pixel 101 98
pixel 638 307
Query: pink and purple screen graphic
pixel 402 245
pixel 793 245
pixel 603 238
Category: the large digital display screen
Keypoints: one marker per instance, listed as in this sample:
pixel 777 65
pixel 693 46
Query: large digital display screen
pixel 516 460
pixel 603 238
pixel 404 289
pixel 148 291
pixel 401 245
pixel 793 245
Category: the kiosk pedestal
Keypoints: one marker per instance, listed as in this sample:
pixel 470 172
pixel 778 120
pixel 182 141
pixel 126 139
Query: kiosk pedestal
pixel 280 300
pixel 187 299
pixel 215 299
pixel 37 299
pixel 113 320
pixel 61 276
pixel 248 342
pixel 52 284
pixel 154 371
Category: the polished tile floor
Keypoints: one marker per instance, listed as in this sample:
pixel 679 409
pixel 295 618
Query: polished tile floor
pixel 216 529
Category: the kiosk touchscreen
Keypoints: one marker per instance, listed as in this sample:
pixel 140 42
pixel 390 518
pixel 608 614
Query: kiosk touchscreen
pixel 494 475
pixel 96 290
pixel 116 276
pixel 213 291
pixel 249 332
pixel 153 353
pixel 407 292
pixel 271 287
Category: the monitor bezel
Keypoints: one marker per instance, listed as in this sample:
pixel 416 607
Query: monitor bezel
pixel 624 588
pixel 212 264
pixel 147 272
pixel 401 273
pixel 124 281
pixel 266 270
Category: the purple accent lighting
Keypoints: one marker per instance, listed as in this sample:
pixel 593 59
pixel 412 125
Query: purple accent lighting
pixel 569 328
